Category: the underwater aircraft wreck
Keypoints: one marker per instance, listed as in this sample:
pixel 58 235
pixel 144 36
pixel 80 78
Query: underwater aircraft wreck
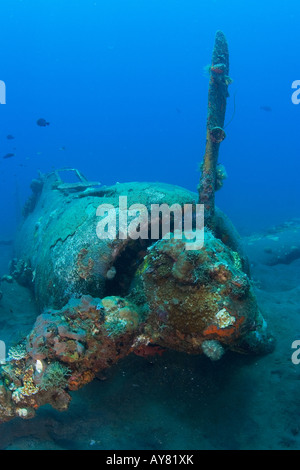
pixel 101 299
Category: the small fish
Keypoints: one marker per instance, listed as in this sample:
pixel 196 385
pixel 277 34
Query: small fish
pixel 10 137
pixel 9 155
pixel 268 109
pixel 42 122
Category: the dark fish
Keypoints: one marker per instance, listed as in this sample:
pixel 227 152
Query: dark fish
pixel 42 122
pixel 268 109
pixel 10 137
pixel 9 155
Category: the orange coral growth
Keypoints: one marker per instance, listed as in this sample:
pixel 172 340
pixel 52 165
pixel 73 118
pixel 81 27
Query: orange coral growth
pixel 77 381
pixel 217 69
pixel 84 268
pixel 29 388
pixel 214 330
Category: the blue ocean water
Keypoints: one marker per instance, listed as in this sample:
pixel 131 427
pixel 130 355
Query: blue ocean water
pixel 124 88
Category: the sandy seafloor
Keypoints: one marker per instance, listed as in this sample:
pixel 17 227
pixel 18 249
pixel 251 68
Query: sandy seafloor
pixel 181 402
